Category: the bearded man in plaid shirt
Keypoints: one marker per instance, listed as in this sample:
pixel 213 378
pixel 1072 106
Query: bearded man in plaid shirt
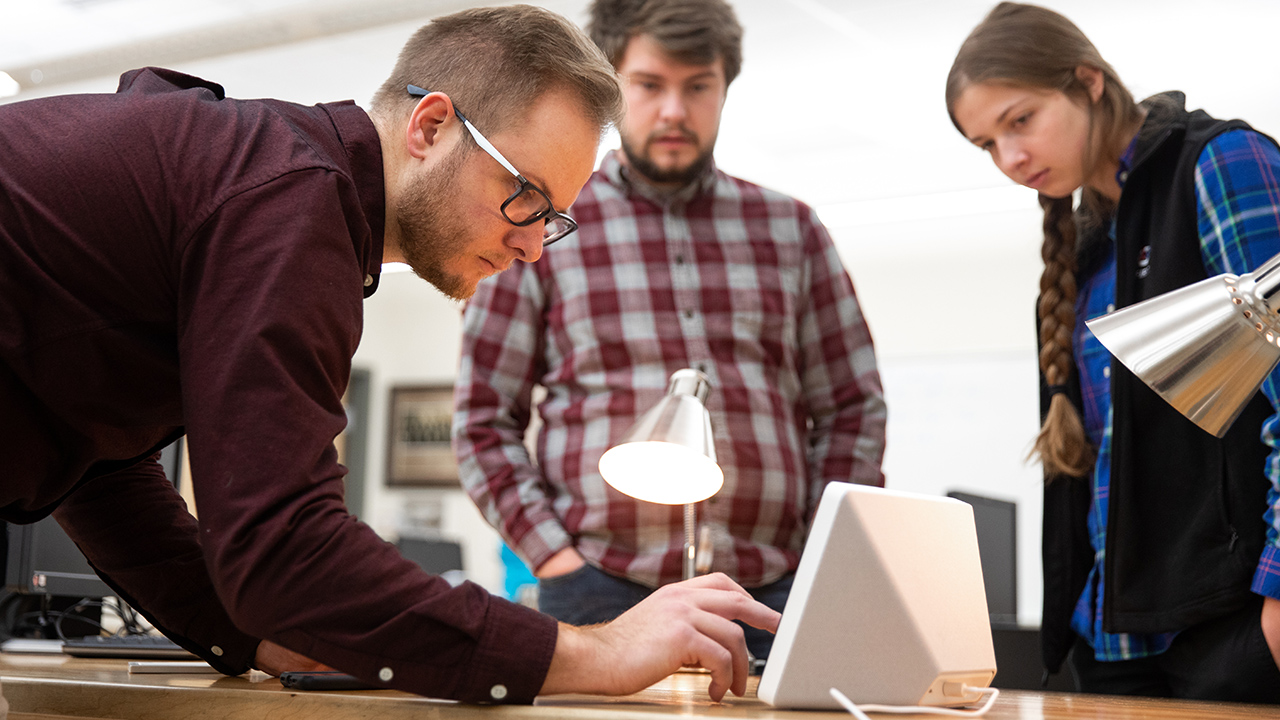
pixel 674 264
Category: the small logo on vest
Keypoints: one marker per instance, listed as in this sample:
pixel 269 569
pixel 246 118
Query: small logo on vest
pixel 1144 261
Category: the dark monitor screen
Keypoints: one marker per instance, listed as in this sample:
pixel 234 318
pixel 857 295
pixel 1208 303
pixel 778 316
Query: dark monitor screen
pixel 41 559
pixel 436 556
pixel 997 526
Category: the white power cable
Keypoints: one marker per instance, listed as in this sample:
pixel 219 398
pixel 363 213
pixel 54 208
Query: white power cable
pixel 860 711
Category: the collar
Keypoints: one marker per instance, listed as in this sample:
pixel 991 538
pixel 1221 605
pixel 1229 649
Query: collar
pixel 1126 162
pixel 1166 112
pixel 364 151
pixel 633 183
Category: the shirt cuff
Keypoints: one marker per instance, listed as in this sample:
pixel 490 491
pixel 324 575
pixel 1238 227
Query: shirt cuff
pixel 208 634
pixel 1266 580
pixel 513 656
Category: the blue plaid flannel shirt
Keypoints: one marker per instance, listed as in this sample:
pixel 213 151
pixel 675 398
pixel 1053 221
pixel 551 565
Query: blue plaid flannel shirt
pixel 1238 188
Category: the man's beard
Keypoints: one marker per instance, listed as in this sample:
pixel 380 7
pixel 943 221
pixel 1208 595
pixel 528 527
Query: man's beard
pixel 641 163
pixel 432 235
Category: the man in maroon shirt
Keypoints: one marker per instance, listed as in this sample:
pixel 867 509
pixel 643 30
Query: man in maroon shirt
pixel 175 262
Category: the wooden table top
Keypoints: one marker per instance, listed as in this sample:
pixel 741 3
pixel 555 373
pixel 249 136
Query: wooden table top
pixel 54 686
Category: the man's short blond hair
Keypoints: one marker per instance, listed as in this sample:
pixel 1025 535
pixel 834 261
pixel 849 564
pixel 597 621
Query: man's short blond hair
pixel 494 63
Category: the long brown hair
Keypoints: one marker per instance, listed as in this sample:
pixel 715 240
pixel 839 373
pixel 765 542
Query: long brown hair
pixel 1030 46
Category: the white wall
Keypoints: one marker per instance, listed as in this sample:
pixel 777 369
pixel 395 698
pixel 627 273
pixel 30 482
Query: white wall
pixel 412 336
pixel 951 305
pixel 840 104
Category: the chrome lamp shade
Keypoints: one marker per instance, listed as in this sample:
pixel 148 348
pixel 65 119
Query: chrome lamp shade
pixel 669 455
pixel 1204 348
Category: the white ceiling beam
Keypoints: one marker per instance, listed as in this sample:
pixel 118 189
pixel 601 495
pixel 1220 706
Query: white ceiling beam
pixel 303 22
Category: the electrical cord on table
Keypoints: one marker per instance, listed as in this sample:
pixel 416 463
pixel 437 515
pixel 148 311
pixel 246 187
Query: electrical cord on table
pixel 860 711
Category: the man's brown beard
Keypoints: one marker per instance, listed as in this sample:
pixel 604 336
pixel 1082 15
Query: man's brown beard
pixel 431 232
pixel 646 167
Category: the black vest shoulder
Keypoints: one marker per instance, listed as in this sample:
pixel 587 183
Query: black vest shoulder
pixel 1157 240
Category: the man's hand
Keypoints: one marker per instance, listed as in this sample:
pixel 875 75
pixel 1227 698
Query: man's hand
pixel 1271 626
pixel 274 659
pixel 562 563
pixel 685 624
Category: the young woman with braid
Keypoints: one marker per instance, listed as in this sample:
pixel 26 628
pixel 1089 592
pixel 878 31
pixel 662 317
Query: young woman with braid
pixel 1161 550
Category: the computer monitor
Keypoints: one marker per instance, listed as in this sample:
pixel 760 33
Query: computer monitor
pixel 41 560
pixel 434 555
pixel 997 525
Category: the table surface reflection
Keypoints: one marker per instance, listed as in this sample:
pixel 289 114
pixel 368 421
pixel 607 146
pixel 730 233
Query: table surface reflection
pixel 55 686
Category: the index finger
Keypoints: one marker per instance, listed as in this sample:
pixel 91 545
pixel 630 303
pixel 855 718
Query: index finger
pixel 714 581
pixel 732 606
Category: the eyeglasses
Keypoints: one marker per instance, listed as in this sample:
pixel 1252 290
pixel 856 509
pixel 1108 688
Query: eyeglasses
pixel 529 203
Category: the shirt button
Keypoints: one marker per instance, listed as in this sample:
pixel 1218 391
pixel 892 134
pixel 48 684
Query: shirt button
pixel 1124 176
pixel 368 280
pixel 1111 307
pixel 498 692
pixel 385 674
pixel 688 314
pixel 1106 372
pixel 679 259
pixel 216 650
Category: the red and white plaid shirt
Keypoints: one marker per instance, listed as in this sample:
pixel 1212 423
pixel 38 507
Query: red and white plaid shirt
pixel 736 280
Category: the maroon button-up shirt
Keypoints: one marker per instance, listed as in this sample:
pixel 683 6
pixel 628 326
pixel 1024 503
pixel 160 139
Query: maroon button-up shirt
pixel 175 261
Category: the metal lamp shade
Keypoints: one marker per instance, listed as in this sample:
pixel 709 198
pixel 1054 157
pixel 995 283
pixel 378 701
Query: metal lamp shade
pixel 1204 348
pixel 669 455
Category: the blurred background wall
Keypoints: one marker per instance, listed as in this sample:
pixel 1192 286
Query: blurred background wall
pixel 839 103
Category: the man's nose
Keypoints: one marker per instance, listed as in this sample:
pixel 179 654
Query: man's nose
pixel 673 106
pixel 526 241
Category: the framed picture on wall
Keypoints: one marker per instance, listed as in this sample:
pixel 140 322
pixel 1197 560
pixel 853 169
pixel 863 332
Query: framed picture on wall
pixel 419 451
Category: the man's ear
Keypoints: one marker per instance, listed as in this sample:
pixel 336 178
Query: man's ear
pixel 423 132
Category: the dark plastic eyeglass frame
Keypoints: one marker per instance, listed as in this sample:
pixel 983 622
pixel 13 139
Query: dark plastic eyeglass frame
pixel 489 148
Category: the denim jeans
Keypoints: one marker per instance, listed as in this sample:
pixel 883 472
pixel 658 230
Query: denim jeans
pixel 589 595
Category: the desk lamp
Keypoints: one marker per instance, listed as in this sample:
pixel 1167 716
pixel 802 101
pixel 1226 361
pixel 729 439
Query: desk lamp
pixel 1204 348
pixel 669 455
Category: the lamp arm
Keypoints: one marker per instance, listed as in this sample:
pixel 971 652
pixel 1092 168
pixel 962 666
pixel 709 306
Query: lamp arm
pixel 1266 283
